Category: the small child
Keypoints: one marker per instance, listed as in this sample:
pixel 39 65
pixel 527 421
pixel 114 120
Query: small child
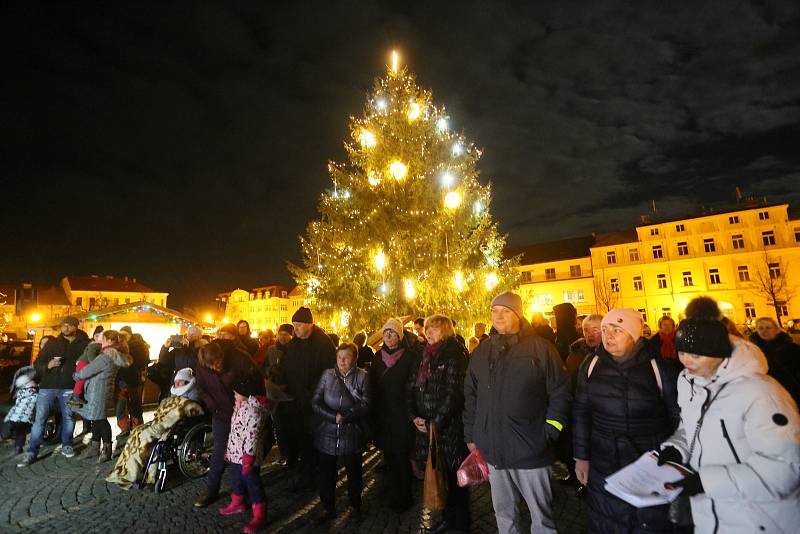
pixel 20 417
pixel 91 351
pixel 245 450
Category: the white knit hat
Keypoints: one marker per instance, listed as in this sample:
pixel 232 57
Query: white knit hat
pixel 626 318
pixel 395 326
pixel 185 374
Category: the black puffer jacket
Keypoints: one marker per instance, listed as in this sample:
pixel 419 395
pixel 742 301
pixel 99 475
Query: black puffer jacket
pixel 302 365
pixel 514 385
pixel 393 428
pixel 441 399
pixel 139 351
pixel 60 377
pixel 348 395
pixel 783 359
pixel 619 414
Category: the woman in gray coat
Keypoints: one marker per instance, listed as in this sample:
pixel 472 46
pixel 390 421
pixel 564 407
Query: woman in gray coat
pixel 99 376
pixel 341 402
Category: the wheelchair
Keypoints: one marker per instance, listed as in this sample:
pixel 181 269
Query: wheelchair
pixel 189 445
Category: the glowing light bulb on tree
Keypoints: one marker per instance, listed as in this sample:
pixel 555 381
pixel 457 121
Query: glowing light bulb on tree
pixel 414 111
pixel 398 170
pixel 381 104
pixel 395 61
pixel 380 261
pixel 458 281
pixel 458 149
pixel 490 281
pixel 367 139
pixel 409 290
pixel 441 124
pixel 452 200
pixel 448 179
pixel 373 179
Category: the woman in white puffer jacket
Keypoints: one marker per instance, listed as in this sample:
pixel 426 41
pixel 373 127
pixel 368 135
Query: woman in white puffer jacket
pixel 746 455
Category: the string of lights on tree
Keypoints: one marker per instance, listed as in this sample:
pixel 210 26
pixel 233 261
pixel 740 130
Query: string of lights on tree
pixel 405 228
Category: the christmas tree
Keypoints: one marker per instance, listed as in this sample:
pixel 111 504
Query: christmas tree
pixel 406 228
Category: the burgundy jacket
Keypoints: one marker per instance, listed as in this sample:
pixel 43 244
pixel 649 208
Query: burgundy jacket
pixel 216 389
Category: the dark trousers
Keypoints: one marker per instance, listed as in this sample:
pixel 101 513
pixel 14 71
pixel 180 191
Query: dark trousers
pixel 299 441
pixel 220 428
pixel 327 479
pixel 247 484
pixel 279 419
pixel 456 509
pixel 17 429
pixel 101 430
pixel 398 471
pixel 128 409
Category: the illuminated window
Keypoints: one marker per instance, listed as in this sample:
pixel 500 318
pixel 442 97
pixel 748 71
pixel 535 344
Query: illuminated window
pixel 662 281
pixel 525 277
pixel 637 283
pixel 749 310
pixel 744 274
pixel 634 253
pixel 683 248
pixel 783 310
pixel 708 245
pixel 679 228
pixel 768 238
pixel 657 252
pixel 738 241
pixel 687 278
pixel 574 270
pixel 713 276
pixel 573 296
pixel 653 231
pixel 763 215
pixel 615 285
pixel 774 270
pixel 550 273
pixel 643 313
pixel 611 257
pixel 733 219
pixel 79 302
pixel 666 311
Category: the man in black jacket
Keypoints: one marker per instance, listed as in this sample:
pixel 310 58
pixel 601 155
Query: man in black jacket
pixel 517 402
pixel 130 383
pixel 307 355
pixel 54 368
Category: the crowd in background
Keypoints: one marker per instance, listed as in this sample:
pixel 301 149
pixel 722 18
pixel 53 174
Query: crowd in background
pixel 594 392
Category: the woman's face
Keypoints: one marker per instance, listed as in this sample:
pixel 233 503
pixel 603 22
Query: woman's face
pixel 180 383
pixel 617 341
pixel 345 361
pixel 704 366
pixel 434 334
pixel 390 338
pixel 766 330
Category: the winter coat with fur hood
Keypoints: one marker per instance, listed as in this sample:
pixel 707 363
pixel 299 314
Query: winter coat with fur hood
pixel 748 449
pixel 99 376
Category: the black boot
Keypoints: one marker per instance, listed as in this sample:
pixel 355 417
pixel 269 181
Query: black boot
pixel 206 498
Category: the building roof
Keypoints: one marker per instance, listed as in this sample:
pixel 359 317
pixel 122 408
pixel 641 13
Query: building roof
pixel 107 283
pixel 605 239
pixel 710 212
pixel 51 296
pixel 562 249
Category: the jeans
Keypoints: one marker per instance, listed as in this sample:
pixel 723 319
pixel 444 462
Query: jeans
pixel 220 428
pixel 44 404
pixel 328 474
pixel 247 484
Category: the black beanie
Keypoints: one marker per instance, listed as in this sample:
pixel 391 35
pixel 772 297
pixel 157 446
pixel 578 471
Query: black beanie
pixel 302 315
pixel 289 329
pixel 705 337
pixel 98 330
pixel 249 384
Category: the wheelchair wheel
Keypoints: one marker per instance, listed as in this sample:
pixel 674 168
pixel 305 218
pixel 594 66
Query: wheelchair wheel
pixel 161 479
pixel 194 453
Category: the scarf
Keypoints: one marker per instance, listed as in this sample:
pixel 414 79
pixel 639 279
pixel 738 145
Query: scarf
pixel 668 349
pixel 428 355
pixel 391 356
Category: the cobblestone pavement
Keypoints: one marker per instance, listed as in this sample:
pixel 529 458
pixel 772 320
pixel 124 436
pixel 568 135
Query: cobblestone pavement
pixel 62 495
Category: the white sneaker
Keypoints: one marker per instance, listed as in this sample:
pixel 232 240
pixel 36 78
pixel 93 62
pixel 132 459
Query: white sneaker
pixel 67 451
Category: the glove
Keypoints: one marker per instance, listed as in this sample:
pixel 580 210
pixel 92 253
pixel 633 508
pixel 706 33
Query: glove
pixel 247 464
pixel 669 454
pixel 691 484
pixel 552 432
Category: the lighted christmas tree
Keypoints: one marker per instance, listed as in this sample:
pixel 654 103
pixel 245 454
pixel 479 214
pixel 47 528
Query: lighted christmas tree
pixel 406 228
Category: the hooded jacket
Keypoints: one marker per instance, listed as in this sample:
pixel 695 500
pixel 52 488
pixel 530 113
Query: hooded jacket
pixel 60 377
pixel 99 376
pixel 748 449
pixel 783 360
pixel 514 385
pixel 247 425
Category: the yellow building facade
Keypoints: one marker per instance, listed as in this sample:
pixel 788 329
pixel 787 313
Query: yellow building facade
pixel 733 257
pixel 263 308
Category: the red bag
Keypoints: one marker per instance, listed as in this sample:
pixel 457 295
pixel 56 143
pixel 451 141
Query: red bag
pixel 473 471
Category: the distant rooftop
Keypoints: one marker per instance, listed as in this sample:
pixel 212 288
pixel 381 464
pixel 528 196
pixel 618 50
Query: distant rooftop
pixel 562 249
pixel 653 220
pixel 107 283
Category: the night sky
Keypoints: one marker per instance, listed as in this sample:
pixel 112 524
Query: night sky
pixel 187 145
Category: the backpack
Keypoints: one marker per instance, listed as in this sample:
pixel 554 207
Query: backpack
pixel 653 364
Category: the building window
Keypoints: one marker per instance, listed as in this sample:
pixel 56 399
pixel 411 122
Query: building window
pixel 79 302
pixel 749 310
pixel 116 302
pixel 525 277
pixel 687 278
pixel 683 248
pixel 738 241
pixel 611 257
pixel 708 244
pixel 763 215
pixel 744 274
pixel 662 281
pixel 797 234
pixel 768 238
pixel 653 231
pixel 733 219
pixel 774 270
pixel 550 273
pixel 657 252
pixel 574 270
pixel 634 252
pixel 544 300
pixel 643 313
pixel 637 283
pixel 92 302
pixel 615 285
pixel 679 228
pixel 573 296
pixel 713 276
pixel 783 310
pixel 666 312
pixel 127 301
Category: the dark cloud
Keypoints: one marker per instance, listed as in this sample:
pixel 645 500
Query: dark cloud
pixel 187 144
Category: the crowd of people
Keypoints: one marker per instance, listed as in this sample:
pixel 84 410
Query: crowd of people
pixel 595 393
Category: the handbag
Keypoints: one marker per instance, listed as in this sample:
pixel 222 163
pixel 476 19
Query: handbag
pixel 680 510
pixel 435 485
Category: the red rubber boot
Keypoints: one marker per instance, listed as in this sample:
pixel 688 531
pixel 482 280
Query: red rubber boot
pixel 236 506
pixel 259 519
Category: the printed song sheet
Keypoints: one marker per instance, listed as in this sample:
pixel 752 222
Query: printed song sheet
pixel 642 482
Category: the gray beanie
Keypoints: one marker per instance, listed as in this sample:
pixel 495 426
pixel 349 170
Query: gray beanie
pixel 510 300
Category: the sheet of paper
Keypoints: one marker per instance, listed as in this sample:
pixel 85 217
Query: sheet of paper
pixel 642 482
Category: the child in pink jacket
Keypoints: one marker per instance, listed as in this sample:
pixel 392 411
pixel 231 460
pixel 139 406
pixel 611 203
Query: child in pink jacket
pixel 245 451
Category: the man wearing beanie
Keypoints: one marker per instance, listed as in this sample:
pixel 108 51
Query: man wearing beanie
pixel 55 366
pixel 739 433
pixel 517 402
pixel 307 355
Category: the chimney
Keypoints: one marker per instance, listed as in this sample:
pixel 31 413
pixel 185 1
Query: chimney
pixel 644 219
pixel 126 278
pixel 133 280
